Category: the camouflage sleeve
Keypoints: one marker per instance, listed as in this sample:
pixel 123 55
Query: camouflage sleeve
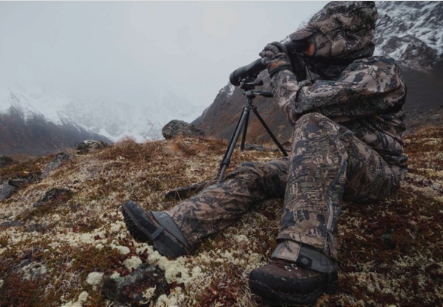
pixel 366 87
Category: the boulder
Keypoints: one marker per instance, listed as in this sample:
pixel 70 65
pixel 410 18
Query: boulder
pixel 87 145
pixel 177 128
pixel 58 160
pixel 144 285
pixel 6 190
pixel 52 196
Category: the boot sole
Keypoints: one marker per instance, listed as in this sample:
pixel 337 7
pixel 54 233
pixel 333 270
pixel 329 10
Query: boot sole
pixel 275 298
pixel 143 231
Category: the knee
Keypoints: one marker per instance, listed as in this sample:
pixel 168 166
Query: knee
pixel 258 170
pixel 309 120
pixel 248 167
pixel 316 123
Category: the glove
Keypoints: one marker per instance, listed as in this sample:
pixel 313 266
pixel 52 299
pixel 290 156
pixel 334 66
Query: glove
pixel 275 56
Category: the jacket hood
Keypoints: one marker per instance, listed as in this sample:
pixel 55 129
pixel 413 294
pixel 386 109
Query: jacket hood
pixel 341 30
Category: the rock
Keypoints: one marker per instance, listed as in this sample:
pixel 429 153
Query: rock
pixel 58 160
pixel 18 182
pixel 140 287
pixel 87 145
pixel 6 161
pixel 177 128
pixel 9 187
pixel 254 147
pixel 37 228
pixel 53 195
pixel 11 224
pixel 6 190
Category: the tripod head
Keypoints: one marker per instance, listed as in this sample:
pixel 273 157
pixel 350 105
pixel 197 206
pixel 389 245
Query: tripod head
pixel 248 85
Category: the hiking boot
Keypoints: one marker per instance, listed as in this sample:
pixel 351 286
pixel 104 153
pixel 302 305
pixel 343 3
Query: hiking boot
pixel 285 282
pixel 156 228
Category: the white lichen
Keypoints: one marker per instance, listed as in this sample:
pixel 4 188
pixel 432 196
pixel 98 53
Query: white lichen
pixel 124 250
pixel 148 294
pixel 82 298
pixel 174 299
pixel 33 269
pixel 132 263
pixel 94 278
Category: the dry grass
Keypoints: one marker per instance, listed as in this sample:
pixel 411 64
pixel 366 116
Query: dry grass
pixel 391 252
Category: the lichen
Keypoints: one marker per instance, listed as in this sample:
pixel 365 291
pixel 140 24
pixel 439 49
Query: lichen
pixel 391 252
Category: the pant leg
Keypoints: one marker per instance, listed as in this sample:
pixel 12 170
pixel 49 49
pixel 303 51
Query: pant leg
pixel 219 205
pixel 328 163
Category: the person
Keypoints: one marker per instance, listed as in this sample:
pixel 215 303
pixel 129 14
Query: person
pixel 347 145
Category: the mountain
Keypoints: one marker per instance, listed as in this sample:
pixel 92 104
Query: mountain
pixel 139 120
pixel 37 122
pixel 29 123
pixel 410 32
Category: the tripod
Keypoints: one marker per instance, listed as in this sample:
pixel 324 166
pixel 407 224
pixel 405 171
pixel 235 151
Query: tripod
pixel 247 85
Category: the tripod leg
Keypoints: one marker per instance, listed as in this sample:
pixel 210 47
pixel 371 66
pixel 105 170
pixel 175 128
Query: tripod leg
pixel 230 149
pixel 270 132
pixel 232 139
pixel 245 130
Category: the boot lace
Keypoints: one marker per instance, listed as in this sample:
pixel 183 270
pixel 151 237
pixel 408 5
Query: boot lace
pixel 284 264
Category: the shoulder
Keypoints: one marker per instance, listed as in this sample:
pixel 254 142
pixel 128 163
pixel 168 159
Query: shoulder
pixel 374 62
pixel 375 66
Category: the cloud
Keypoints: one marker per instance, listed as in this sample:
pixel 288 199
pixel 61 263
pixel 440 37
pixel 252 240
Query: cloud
pixel 219 22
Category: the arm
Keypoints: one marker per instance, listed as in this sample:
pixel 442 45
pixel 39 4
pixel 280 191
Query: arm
pixel 366 87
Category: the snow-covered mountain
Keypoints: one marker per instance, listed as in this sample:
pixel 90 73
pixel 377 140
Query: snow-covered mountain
pixel 411 32
pixel 110 118
pixel 139 120
pixel 30 124
pixel 33 101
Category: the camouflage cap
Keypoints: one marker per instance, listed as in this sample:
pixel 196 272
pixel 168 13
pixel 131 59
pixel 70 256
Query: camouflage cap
pixel 341 29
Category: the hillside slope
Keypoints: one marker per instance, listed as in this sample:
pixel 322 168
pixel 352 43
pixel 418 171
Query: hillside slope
pixel 63 236
pixel 35 135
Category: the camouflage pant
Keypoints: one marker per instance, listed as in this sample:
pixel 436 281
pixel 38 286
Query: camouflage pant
pixel 328 164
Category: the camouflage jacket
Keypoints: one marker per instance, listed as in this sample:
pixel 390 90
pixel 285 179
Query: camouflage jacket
pixel 367 98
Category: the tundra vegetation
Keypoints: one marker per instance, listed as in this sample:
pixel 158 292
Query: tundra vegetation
pixel 62 236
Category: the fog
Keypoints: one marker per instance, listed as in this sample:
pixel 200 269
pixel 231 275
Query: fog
pixel 138 51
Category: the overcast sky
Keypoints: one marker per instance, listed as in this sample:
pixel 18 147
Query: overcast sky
pixel 138 50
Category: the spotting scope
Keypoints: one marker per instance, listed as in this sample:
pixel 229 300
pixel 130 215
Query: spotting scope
pixel 294 48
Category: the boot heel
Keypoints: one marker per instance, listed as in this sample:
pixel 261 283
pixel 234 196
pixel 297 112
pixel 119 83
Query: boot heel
pixel 333 288
pixel 333 284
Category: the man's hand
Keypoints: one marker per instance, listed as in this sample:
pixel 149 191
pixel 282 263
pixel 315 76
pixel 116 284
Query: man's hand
pixel 275 56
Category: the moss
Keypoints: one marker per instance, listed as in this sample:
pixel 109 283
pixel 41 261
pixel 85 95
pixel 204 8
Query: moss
pixel 88 258
pixel 24 169
pixel 390 251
